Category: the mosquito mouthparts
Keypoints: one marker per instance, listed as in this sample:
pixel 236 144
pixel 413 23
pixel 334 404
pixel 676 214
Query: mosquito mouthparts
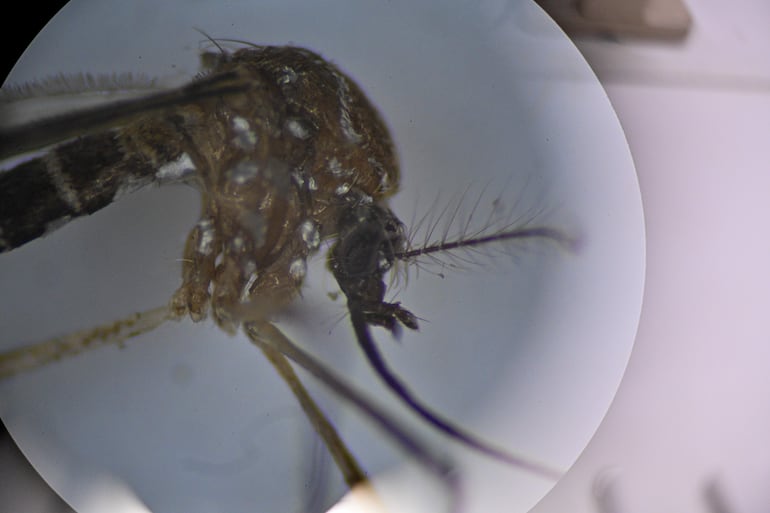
pixel 370 238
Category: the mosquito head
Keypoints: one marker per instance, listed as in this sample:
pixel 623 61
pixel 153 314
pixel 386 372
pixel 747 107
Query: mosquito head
pixel 370 236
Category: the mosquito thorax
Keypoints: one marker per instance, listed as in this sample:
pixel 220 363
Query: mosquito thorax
pixel 278 167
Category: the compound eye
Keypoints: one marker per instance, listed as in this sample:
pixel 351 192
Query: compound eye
pixel 394 235
pixel 393 226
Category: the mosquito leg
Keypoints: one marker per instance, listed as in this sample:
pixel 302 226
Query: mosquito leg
pixel 31 357
pixel 345 461
pixel 264 334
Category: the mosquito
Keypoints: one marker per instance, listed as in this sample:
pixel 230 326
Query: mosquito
pixel 288 155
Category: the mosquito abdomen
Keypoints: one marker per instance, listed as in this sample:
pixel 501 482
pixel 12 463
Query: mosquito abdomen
pixel 80 177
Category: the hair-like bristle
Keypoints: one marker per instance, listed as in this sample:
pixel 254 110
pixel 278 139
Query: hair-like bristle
pixel 466 233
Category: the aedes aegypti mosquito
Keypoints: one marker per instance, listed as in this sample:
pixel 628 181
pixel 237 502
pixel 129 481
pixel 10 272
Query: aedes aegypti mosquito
pixel 288 154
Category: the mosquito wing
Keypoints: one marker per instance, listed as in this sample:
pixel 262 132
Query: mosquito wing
pixel 17 138
pixel 77 162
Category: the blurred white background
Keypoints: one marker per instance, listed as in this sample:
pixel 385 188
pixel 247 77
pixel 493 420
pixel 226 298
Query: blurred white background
pixel 688 428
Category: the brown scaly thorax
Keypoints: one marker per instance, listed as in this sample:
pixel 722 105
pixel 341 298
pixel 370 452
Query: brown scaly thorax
pixel 278 141
pixel 277 167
